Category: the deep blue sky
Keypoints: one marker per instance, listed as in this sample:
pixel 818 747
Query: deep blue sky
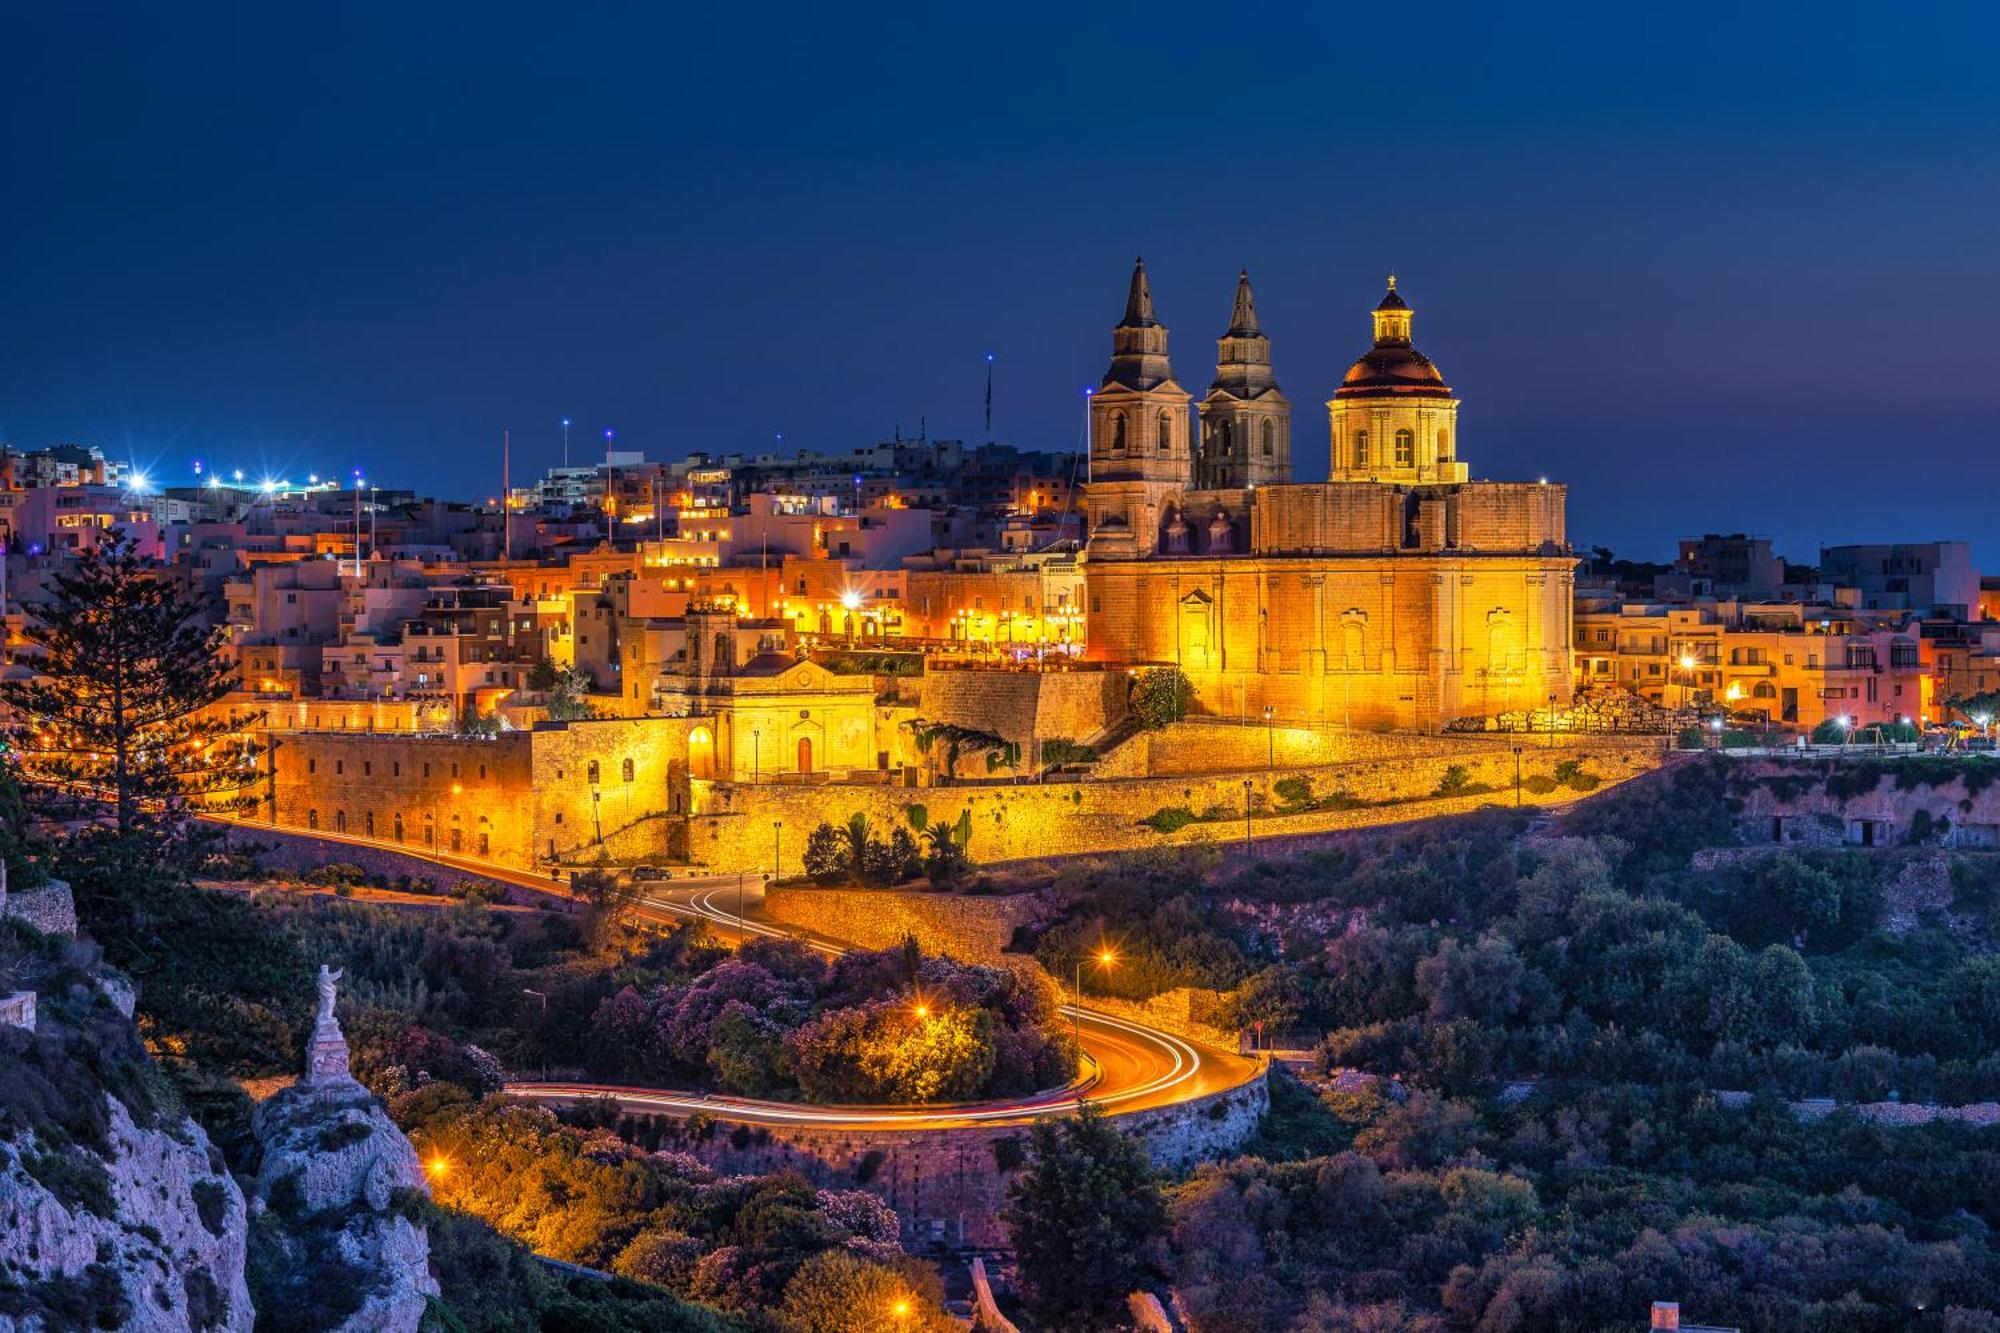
pixel 1716 267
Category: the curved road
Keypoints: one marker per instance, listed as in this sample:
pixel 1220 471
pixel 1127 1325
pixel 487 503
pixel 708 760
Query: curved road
pixel 1138 1067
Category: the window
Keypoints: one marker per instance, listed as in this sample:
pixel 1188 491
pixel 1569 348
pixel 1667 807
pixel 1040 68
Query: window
pixel 1444 446
pixel 627 767
pixel 1270 437
pixel 1361 448
pixel 1117 436
pixel 591 773
pixel 1406 449
pixel 1166 433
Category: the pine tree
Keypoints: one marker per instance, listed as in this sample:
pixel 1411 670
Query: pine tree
pixel 1081 1217
pixel 120 712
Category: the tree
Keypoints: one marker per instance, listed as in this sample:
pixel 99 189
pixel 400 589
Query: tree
pixel 838 1292
pixel 607 901
pixel 1161 696
pixel 567 701
pixel 826 855
pixel 945 863
pixel 1081 1217
pixel 119 711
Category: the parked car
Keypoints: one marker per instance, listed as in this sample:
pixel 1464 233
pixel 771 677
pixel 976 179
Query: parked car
pixel 644 873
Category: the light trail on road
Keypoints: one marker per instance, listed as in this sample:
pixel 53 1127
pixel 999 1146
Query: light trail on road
pixel 1138 1067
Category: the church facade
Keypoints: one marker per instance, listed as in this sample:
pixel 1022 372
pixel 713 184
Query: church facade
pixel 1399 593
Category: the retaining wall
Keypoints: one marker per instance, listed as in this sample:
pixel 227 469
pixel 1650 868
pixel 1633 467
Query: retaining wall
pixel 297 852
pixel 734 825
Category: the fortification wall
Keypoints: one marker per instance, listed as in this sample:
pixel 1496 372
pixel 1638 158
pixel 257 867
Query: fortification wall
pixel 734 825
pixel 1026 706
pixel 949 1185
pixel 970 929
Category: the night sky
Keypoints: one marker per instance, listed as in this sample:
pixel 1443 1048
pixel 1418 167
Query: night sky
pixel 1718 268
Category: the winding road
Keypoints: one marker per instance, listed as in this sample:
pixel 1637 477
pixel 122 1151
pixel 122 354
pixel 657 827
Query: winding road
pixel 1137 1067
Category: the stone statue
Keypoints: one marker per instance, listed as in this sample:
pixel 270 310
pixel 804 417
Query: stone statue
pixel 326 981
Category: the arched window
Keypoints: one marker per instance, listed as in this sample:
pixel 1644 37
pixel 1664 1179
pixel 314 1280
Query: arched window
pixel 1444 446
pixel 628 770
pixel 1361 448
pixel 369 819
pixel 340 821
pixel 591 773
pixel 1117 434
pixel 1226 440
pixel 1406 449
pixel 312 819
pixel 399 828
pixel 1166 433
pixel 1270 437
pixel 1763 689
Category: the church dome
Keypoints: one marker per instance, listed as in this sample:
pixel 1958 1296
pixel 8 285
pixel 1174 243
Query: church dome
pixel 1392 369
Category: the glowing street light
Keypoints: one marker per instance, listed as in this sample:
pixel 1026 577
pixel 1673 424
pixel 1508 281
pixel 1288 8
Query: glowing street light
pixel 437 1167
pixel 1104 958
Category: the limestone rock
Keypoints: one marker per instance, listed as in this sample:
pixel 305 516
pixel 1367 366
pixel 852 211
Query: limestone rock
pixel 335 1184
pixel 171 1252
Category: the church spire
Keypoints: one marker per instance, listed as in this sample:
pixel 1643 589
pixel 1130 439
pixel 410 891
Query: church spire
pixel 1139 301
pixel 1243 317
pixel 1139 341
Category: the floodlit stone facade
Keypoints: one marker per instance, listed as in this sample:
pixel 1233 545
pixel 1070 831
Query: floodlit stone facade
pixel 1398 594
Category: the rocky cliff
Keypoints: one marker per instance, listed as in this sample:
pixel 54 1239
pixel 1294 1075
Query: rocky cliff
pixel 115 1211
pixel 338 1197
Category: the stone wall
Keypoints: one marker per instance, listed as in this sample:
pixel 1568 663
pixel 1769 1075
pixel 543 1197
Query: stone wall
pixel 948 1186
pixel 1026 706
pixel 969 929
pixel 17 1010
pixel 50 909
pixel 297 852
pixel 734 825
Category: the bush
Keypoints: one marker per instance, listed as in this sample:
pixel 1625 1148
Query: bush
pixel 1161 696
pixel 77 1178
pixel 1170 819
pixel 1294 792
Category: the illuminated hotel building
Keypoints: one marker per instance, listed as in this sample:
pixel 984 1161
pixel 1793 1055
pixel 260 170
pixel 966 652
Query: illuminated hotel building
pixel 1399 593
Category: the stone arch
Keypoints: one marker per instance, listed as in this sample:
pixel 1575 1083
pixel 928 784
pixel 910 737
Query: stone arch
pixel 701 753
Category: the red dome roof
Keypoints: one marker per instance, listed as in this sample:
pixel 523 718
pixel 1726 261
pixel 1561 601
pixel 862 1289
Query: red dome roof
pixel 1393 369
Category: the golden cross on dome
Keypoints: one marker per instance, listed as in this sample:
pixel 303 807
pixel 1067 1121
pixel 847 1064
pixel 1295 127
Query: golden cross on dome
pixel 1392 282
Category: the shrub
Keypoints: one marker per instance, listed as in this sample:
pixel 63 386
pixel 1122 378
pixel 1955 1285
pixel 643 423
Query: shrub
pixel 1170 819
pixel 1294 792
pixel 211 1204
pixel 77 1179
pixel 1059 752
pixel 1161 696
pixel 1457 781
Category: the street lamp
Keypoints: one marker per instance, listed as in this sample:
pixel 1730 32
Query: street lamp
pixel 1517 777
pixel 1270 738
pixel 756 754
pixel 1104 958
pixel 777 852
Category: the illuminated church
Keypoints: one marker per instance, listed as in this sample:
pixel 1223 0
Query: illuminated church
pixel 1398 593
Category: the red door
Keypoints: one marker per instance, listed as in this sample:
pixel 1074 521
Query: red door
pixel 805 754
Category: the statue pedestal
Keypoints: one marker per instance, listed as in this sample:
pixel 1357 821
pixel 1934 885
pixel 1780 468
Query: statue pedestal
pixel 326 1057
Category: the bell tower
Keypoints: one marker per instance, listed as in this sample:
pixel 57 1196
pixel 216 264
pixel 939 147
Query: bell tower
pixel 1246 422
pixel 1140 454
